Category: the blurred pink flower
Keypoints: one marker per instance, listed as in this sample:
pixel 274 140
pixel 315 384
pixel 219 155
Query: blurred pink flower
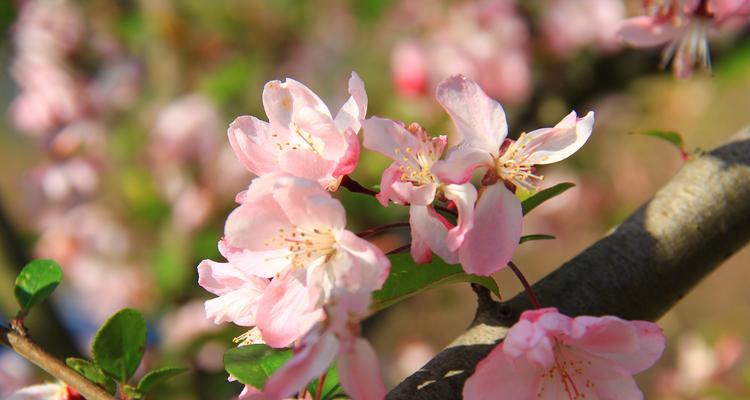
pixel 47 391
pixel 549 355
pixel 302 138
pixel 48 28
pixel 15 373
pixel 570 24
pixel 487 40
pixel 685 26
pixel 185 324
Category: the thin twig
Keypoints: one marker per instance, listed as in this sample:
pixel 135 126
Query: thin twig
pixel 30 351
pixel 321 381
pixel 354 186
pixel 382 228
pixel 399 249
pixel 525 283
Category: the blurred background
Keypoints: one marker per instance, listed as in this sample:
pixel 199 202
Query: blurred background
pixel 115 162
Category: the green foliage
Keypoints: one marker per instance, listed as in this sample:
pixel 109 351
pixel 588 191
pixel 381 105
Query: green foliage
pixel 132 393
pixel 669 136
pixel 156 377
pixel 331 385
pixel 538 198
pixel 253 364
pixel 36 281
pixel 119 344
pixel 529 238
pixel 407 279
pixel 92 373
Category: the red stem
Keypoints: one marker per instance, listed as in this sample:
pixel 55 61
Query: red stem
pixel 321 381
pixel 382 228
pixel 525 283
pixel 399 249
pixel 354 186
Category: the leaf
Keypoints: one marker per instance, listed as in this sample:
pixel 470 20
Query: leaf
pixel 132 393
pixel 540 197
pixel 407 279
pixel 119 344
pixel 331 385
pixel 669 136
pixel 157 376
pixel 36 281
pixel 253 364
pixel 92 373
pixel 529 238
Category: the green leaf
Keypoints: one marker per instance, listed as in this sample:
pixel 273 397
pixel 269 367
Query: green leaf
pixel 529 238
pixel 253 364
pixel 670 136
pixel 37 280
pixel 119 344
pixel 132 393
pixel 331 385
pixel 407 279
pixel 92 373
pixel 157 376
pixel 540 197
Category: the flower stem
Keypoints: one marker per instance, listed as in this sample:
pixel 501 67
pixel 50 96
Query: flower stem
pixel 382 228
pixel 354 186
pixel 321 381
pixel 525 283
pixel 30 351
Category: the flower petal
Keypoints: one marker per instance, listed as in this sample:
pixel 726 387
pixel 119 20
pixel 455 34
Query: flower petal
pixel 464 196
pixel 549 145
pixel 278 104
pixel 646 31
pixel 359 372
pixel 490 243
pixel 500 376
pixel 429 228
pixel 250 139
pixel 352 113
pixel 479 119
pixel 460 163
pixel 370 267
pixel 286 311
pixel 390 139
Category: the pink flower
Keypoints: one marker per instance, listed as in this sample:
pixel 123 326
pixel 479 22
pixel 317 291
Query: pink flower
pixel 292 230
pixel 684 25
pixel 302 138
pixel 547 355
pixel 409 180
pixel 336 337
pixel 571 24
pixel 47 391
pixel 481 124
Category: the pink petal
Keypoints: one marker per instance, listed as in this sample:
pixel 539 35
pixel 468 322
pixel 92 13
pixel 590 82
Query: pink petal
pixel 311 361
pixel 651 345
pixel 309 206
pixel 549 145
pixel 348 162
pixel 464 196
pixel 318 131
pixel 500 376
pixel 370 266
pixel 286 311
pixel 428 228
pixel 306 98
pixel 461 163
pixel 278 104
pixel 389 138
pixel 603 335
pixel 489 245
pixel 222 278
pixel 358 372
pixel 250 140
pixel 388 186
pixel 479 119
pixel 646 31
pixel 352 113
pixel 239 306
pixel 307 164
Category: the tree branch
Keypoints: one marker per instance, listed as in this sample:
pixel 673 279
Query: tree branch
pixel 30 351
pixel 638 271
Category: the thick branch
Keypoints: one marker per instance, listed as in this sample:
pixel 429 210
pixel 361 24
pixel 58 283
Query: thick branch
pixel 30 351
pixel 638 271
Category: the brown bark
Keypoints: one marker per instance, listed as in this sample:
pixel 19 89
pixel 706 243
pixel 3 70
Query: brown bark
pixel 638 271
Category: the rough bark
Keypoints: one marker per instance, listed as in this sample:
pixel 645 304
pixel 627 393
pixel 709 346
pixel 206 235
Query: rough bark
pixel 638 271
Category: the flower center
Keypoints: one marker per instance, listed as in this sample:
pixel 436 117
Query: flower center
pixel 304 245
pixel 566 370
pixel 512 166
pixel 299 139
pixel 415 164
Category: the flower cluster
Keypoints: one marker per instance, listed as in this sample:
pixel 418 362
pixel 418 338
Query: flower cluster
pixel 684 25
pixel 297 278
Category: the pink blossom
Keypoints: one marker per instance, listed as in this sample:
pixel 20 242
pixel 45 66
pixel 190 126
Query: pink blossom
pixel 482 127
pixel 302 138
pixel 292 230
pixel 409 69
pixel 334 338
pixel 547 355
pixel 47 391
pixel 571 24
pixel 409 180
pixel 683 25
